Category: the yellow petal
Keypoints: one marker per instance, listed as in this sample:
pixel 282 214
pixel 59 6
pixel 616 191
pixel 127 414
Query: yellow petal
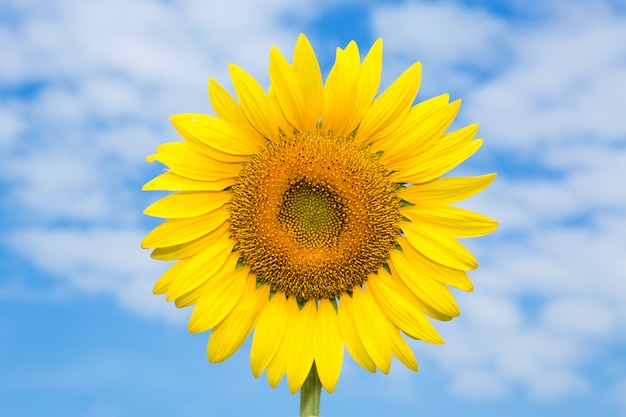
pixel 188 249
pixel 341 91
pixel 427 309
pixel 164 282
pixel 327 345
pixel 220 295
pixel 401 308
pixel 176 231
pixel 300 345
pixel 269 333
pixel 287 89
pixel 421 129
pixel 168 181
pixel 229 334
pixel 216 133
pixel 259 109
pixel 202 267
pixel 276 368
pixel 438 245
pixel 227 108
pixel 188 204
pixel 372 327
pixel 457 221
pixel 307 71
pixel 391 108
pixel 182 160
pixel 278 365
pixel 350 336
pixel 431 292
pixel 447 153
pixel 224 105
pixel 443 191
pixel 402 351
pixel 448 276
pixel 191 297
pixel 283 124
pixel 369 81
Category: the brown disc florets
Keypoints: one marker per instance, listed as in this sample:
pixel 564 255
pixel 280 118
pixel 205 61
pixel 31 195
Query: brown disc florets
pixel 313 215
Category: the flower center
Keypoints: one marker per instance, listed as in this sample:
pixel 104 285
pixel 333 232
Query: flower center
pixel 313 215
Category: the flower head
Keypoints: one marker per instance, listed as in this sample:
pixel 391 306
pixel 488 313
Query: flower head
pixel 315 214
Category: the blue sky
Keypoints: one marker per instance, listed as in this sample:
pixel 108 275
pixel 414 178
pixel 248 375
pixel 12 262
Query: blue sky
pixel 86 89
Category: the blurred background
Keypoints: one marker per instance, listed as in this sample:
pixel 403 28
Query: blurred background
pixel 86 89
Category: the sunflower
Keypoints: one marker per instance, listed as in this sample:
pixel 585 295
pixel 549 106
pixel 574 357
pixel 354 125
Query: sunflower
pixel 315 214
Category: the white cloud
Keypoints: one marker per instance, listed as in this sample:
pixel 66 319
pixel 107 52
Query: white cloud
pixel 579 317
pixel 11 126
pixel 494 313
pixel 450 40
pixel 479 383
pixel 485 361
pixel 150 42
pixel 98 261
pixel 68 187
pixel 567 84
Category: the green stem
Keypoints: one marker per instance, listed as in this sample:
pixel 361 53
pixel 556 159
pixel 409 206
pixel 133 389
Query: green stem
pixel 310 394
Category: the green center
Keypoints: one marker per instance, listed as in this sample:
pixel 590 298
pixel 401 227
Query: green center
pixel 312 214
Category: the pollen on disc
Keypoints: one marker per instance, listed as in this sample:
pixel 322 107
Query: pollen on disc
pixel 312 214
